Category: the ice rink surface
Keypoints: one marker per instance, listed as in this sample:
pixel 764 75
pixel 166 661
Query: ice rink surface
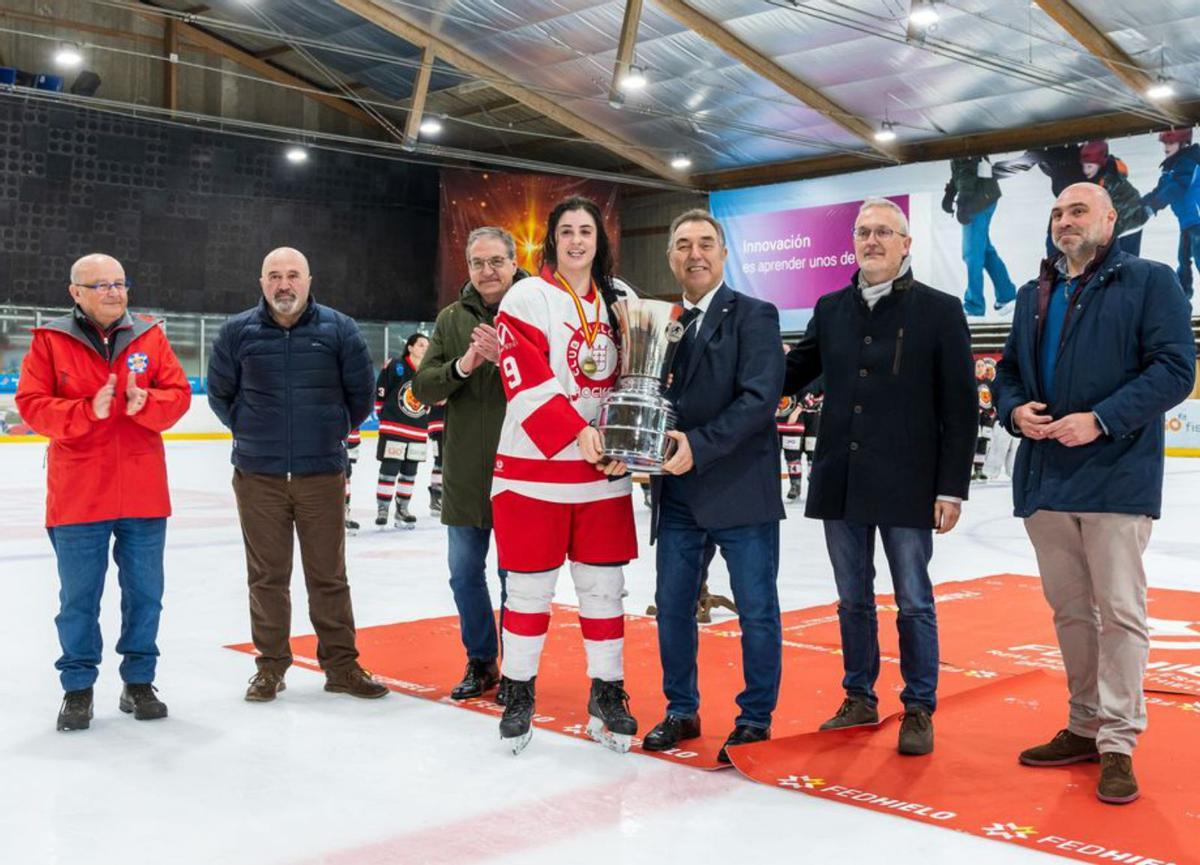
pixel 317 777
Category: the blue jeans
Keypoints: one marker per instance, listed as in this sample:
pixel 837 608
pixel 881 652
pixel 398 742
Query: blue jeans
pixel 852 553
pixel 980 255
pixel 82 553
pixel 468 581
pixel 752 556
pixel 1189 252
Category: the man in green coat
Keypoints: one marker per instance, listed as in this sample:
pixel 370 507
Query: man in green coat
pixel 460 368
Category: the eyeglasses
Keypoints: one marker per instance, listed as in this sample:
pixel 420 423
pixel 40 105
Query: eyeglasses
pixel 495 262
pixel 882 232
pixel 119 285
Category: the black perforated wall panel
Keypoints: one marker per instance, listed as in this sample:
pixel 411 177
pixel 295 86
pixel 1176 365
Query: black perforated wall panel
pixel 191 214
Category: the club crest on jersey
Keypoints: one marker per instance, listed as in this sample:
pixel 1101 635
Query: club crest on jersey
pixel 595 364
pixel 138 362
pixel 408 402
pixel 985 397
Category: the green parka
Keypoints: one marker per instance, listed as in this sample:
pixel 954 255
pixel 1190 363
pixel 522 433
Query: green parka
pixel 475 409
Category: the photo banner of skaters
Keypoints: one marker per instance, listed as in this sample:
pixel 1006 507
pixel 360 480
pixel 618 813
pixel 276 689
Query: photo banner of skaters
pixel 979 223
pixel 517 202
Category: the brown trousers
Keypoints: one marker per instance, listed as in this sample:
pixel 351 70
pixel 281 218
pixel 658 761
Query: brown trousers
pixel 268 507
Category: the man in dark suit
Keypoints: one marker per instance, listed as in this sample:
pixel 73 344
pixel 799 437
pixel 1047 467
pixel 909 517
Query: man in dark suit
pixel 897 438
pixel 721 485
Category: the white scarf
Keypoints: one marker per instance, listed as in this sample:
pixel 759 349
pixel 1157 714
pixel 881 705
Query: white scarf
pixel 872 293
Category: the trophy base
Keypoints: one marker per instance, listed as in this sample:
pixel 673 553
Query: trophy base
pixel 634 428
pixel 637 462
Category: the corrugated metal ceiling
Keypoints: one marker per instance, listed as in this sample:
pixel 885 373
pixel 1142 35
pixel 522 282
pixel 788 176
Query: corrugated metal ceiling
pixel 986 65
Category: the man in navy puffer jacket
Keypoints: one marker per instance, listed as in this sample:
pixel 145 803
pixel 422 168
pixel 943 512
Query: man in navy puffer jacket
pixel 1101 346
pixel 291 378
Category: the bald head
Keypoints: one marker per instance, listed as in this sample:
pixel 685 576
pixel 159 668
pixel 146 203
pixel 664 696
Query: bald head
pixel 84 269
pixel 102 305
pixel 285 258
pixel 1081 222
pixel 285 283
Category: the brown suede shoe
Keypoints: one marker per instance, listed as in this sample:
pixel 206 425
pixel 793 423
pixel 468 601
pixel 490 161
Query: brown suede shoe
pixel 916 732
pixel 354 681
pixel 1065 748
pixel 854 712
pixel 1117 785
pixel 264 685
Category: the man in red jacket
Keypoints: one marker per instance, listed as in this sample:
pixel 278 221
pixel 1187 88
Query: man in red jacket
pixel 102 386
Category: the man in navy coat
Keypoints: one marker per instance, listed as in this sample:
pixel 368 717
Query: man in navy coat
pixel 721 485
pixel 1101 346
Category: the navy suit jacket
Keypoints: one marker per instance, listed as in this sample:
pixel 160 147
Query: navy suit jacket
pixel 725 400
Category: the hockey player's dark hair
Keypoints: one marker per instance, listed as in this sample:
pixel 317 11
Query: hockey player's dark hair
pixel 412 340
pixel 602 264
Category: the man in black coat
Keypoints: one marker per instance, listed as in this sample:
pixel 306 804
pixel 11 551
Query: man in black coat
pixel 291 378
pixel 721 486
pixel 897 437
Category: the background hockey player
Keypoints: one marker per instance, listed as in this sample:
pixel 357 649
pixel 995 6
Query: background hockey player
pixel 554 496
pixel 353 441
pixel 403 432
pixel 437 426
pixel 791 441
pixel 985 373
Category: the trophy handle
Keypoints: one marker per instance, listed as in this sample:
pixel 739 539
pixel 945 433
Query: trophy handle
pixel 669 450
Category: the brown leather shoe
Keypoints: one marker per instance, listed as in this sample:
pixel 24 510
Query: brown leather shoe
pixel 854 712
pixel 1117 784
pixel 354 681
pixel 264 685
pixel 916 732
pixel 1063 750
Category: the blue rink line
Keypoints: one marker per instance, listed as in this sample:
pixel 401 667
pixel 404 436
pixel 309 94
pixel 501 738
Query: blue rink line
pixel 49 554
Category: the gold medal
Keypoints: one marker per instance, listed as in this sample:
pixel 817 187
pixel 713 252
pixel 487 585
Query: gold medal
pixel 588 364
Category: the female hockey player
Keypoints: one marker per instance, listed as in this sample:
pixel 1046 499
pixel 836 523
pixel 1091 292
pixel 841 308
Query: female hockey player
pixel 554 495
pixel 403 433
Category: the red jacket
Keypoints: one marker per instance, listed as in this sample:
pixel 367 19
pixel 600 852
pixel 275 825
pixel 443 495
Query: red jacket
pixel 111 468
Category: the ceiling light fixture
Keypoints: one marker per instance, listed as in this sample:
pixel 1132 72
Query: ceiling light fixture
pixel 886 133
pixel 1160 89
pixel 681 163
pixel 430 126
pixel 68 55
pixel 922 14
pixel 296 155
pixel 634 79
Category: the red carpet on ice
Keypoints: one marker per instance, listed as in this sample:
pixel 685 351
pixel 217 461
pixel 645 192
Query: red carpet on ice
pixel 1001 690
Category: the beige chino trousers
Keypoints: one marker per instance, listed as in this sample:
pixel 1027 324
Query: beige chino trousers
pixel 1092 576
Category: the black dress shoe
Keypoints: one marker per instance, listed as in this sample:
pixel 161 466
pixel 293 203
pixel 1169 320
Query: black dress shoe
pixel 480 677
pixel 670 731
pixel 743 735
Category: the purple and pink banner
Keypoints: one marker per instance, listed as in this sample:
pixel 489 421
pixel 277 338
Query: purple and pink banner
pixel 792 257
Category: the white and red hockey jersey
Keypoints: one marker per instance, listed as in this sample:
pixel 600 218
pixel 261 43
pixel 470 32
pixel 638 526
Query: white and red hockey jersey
pixel 558 361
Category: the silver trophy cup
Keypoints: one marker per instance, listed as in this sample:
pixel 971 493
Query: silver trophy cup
pixel 635 417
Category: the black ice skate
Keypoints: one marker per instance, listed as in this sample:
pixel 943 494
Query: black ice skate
pixel 404 520
pixel 610 723
pixel 352 526
pixel 381 513
pixel 515 730
pixel 435 501
pixel 793 492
